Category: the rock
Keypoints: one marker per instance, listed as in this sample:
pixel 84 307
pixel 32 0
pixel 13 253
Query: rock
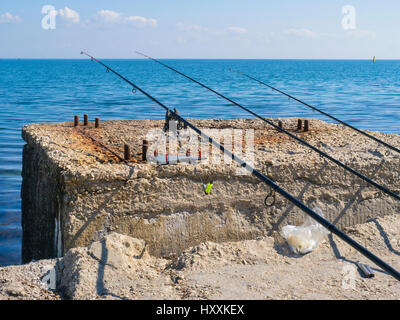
pixel 117 250
pixel 109 268
pixel 15 290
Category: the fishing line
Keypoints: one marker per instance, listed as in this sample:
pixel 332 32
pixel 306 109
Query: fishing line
pixel 321 153
pixel 314 215
pixel 387 145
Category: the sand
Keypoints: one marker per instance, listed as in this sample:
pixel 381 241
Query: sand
pixel 263 268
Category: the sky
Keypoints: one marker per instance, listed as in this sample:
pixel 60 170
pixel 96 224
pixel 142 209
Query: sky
pixel 209 29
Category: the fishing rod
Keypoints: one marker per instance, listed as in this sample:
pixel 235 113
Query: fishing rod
pixel 332 228
pixel 322 112
pixel 321 153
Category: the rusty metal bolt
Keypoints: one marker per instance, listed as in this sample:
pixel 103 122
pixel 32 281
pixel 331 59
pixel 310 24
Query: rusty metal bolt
pixel 127 152
pixel 76 121
pixel 299 124
pixel 85 120
pixel 155 153
pixel 145 147
pixel 97 122
pixel 306 125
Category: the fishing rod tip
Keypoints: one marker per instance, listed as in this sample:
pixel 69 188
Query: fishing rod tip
pixel 141 54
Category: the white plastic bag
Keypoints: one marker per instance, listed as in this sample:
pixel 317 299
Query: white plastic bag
pixel 306 237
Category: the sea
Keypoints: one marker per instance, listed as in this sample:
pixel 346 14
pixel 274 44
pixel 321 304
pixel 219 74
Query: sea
pixel 360 92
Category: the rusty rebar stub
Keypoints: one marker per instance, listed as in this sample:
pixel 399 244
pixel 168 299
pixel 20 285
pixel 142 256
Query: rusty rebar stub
pixel 145 148
pixel 306 125
pixel 97 122
pixel 76 121
pixel 85 120
pixel 299 124
pixel 127 152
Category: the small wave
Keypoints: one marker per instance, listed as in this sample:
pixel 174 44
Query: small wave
pixel 10 234
pixel 10 172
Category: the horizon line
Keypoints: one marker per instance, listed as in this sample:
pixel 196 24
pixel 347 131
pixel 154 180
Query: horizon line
pixel 336 59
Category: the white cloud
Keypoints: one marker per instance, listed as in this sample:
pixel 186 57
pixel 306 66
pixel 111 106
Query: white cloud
pixel 136 19
pixel 195 29
pixel 307 33
pixel 69 15
pixel 358 33
pixel 9 18
pixel 190 27
pixel 301 32
pixel 116 17
pixel 141 21
pixel 237 30
pixel 110 16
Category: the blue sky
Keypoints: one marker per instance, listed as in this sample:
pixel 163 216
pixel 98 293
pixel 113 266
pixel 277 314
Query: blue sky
pixel 285 29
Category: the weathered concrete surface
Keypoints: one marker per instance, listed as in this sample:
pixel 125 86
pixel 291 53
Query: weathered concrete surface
pixel 69 177
pixel 41 201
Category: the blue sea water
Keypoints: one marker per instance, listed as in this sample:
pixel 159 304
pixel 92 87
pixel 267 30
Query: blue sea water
pixel 364 94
